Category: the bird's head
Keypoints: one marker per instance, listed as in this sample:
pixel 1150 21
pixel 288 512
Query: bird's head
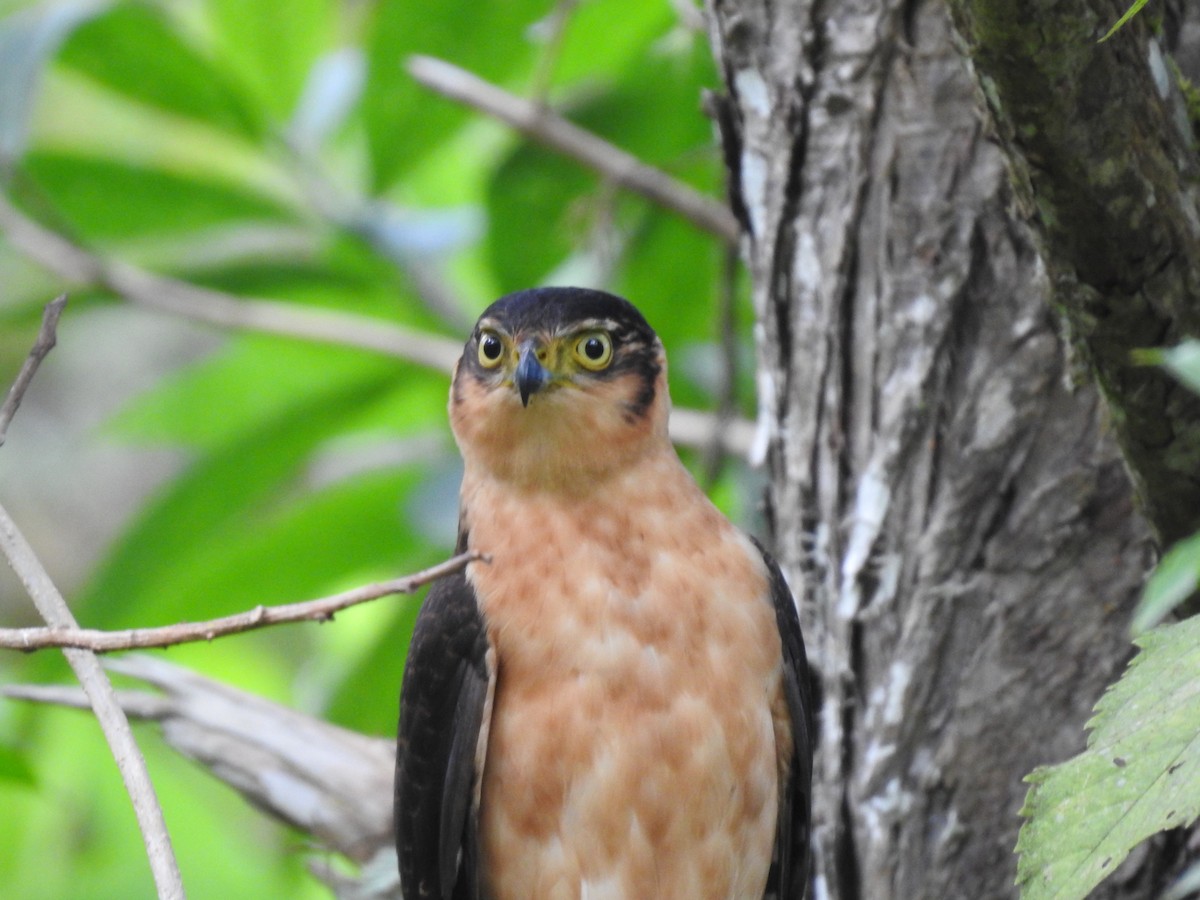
pixel 558 387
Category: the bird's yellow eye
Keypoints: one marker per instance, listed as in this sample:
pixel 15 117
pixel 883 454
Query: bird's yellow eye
pixel 594 350
pixel 491 349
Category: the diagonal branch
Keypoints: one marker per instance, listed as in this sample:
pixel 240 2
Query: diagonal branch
pixel 46 339
pixel 99 689
pixel 546 127
pixel 331 783
pixel 691 428
pixel 170 295
pixel 55 612
pixel 320 610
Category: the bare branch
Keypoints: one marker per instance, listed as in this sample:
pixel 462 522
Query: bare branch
pixel 320 610
pixel 331 783
pixel 54 610
pixel 555 132
pixel 180 298
pixel 46 339
pixel 691 428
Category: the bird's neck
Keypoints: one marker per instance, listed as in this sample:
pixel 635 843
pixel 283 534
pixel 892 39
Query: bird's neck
pixel 490 505
pixel 559 461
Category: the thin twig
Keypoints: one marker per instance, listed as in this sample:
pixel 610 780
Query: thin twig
pixel 46 339
pixel 691 428
pixel 319 610
pixel 553 32
pixel 557 133
pixel 54 610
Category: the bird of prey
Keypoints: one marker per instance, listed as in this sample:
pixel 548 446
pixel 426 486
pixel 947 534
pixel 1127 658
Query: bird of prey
pixel 616 705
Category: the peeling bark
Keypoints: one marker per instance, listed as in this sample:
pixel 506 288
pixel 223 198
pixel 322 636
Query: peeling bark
pixel 948 500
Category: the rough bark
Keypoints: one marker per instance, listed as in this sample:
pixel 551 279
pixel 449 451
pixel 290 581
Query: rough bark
pixel 1103 159
pixel 947 497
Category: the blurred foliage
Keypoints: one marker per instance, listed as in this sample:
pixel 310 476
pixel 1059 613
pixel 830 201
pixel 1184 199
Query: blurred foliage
pixel 280 150
pixel 1177 575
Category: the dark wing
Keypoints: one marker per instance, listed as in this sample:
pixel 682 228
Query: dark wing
pixel 447 683
pixel 790 876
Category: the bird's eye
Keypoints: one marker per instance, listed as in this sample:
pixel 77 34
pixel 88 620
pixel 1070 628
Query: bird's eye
pixel 491 349
pixel 594 350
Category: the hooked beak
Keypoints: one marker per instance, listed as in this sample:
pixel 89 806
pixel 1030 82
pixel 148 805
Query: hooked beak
pixel 531 376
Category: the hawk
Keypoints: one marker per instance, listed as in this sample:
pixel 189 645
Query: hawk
pixel 616 703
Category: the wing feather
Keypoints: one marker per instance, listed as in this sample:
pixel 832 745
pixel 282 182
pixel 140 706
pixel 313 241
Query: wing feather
pixel 447 681
pixel 792 833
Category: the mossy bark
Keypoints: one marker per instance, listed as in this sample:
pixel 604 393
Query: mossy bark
pixel 1103 161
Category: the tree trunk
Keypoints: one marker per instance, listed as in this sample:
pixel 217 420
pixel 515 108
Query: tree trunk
pixel 946 492
pixel 1104 158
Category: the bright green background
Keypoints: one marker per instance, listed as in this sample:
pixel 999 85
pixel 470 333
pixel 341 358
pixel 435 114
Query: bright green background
pixel 180 136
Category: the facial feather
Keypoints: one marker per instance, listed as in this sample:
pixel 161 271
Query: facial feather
pixel 584 423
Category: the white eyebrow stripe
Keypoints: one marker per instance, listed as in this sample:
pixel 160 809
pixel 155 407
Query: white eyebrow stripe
pixel 490 324
pixel 590 325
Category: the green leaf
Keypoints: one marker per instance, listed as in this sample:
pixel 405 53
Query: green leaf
pixel 665 126
pixel 307 544
pixel 136 50
pixel 217 402
pixel 365 698
pixel 1173 581
pixel 29 38
pixel 1121 22
pixel 604 37
pixel 1139 775
pixel 670 259
pixel 15 767
pixel 272 45
pixel 159 568
pixel 542 206
pixel 104 198
pixel 539 210
pixel 405 121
